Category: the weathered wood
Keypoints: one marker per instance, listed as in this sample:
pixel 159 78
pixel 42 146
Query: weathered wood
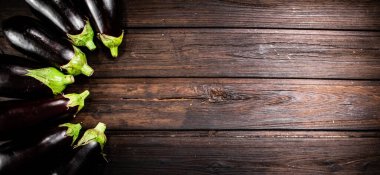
pixel 260 46
pixel 314 14
pixel 241 53
pixel 243 153
pixel 231 104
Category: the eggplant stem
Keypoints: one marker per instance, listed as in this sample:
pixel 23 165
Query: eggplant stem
pixel 87 70
pixel 73 130
pixel 90 45
pixel 112 42
pixel 85 38
pixel 77 99
pixel 51 77
pixel 114 51
pixel 95 134
pixel 78 64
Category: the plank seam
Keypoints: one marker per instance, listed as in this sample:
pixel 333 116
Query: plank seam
pixel 252 28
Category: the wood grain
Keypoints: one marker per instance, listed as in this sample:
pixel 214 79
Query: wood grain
pixel 306 14
pixel 159 103
pixel 236 87
pixel 241 53
pixel 243 153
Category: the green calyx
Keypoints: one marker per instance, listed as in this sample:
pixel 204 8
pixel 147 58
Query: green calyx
pixel 73 130
pixel 96 134
pixel 77 99
pixel 111 42
pixel 85 38
pixel 78 64
pixel 51 77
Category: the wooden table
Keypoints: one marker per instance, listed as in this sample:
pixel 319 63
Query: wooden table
pixel 238 87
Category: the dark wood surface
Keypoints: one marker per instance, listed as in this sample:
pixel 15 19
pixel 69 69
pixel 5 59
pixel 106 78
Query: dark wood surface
pixel 237 87
pixel 232 103
pixel 305 14
pixel 244 153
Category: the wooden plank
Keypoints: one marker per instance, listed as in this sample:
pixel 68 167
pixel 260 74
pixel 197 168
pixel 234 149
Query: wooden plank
pixel 160 103
pixel 306 14
pixel 241 53
pixel 243 153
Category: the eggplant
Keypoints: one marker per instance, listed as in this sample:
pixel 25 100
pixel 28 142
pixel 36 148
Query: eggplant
pixel 33 155
pixel 105 15
pixel 91 146
pixel 68 18
pixel 23 78
pixel 17 115
pixel 30 37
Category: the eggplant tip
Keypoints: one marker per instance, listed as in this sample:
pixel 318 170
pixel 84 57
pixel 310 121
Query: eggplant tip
pixel 87 70
pixel 85 94
pixel 114 51
pixel 90 45
pixel 69 79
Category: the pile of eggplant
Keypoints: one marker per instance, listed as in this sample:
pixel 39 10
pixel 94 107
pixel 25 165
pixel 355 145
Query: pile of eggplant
pixel 36 136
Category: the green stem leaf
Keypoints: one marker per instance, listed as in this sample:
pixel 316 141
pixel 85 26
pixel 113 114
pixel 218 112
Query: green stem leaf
pixel 111 42
pixel 51 77
pixel 85 38
pixel 73 130
pixel 96 134
pixel 77 99
pixel 78 64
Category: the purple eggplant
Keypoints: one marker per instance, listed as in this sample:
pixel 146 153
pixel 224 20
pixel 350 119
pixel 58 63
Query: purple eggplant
pixel 33 155
pixel 90 147
pixel 68 18
pixel 107 23
pixel 17 115
pixel 39 42
pixel 23 78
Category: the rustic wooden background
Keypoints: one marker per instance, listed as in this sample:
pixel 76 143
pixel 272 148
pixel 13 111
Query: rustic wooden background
pixel 238 87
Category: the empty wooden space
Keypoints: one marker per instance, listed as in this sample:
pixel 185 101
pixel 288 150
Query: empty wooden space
pixel 244 153
pixel 231 103
pixel 237 87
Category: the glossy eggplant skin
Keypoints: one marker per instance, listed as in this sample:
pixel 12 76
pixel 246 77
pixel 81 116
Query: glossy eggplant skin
pixel 67 17
pixel 106 19
pixel 62 13
pixel 90 147
pixel 20 114
pixel 105 16
pixel 15 81
pixel 81 161
pixel 30 37
pixel 34 155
